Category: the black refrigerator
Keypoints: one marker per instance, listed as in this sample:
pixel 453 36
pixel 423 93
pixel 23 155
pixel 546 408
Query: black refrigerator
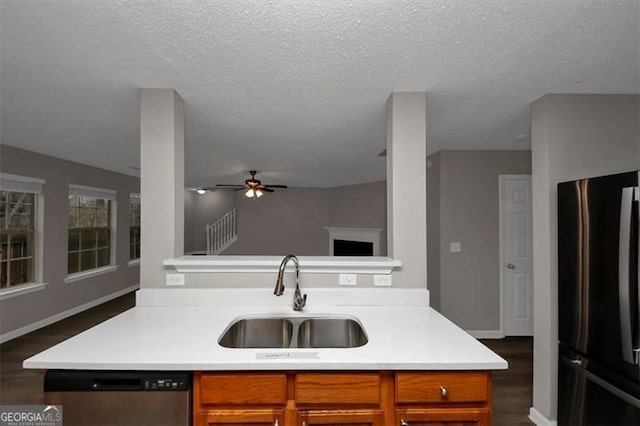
pixel 599 301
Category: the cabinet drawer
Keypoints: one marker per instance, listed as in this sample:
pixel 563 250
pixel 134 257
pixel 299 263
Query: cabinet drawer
pixel 337 388
pixel 442 387
pixel 243 389
pixel 444 416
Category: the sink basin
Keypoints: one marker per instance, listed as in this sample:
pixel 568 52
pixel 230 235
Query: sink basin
pixel 258 333
pixel 331 333
pixel 294 332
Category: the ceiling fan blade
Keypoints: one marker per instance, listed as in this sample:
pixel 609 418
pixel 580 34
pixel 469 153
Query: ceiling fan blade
pixel 265 189
pixel 275 186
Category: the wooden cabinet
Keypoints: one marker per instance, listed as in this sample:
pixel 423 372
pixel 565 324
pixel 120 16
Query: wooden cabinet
pixel 240 399
pixel 443 398
pixel 241 417
pixel 443 416
pixel 340 417
pixel 342 398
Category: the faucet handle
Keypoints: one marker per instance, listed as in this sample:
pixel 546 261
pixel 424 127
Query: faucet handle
pixel 299 302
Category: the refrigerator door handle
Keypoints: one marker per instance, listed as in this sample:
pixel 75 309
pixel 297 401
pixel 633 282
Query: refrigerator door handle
pixel 629 353
pixel 578 365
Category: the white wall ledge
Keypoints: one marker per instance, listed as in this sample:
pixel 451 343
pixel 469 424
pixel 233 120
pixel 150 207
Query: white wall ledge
pixel 90 273
pixel 308 264
pixel 21 289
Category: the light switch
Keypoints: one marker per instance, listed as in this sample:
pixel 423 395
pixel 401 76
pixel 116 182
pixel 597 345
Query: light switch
pixel 174 279
pixel 455 247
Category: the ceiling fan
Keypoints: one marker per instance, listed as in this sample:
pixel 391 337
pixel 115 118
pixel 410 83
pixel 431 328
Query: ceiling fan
pixel 254 187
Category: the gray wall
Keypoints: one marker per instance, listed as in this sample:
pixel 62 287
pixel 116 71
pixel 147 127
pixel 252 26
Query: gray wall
pixel 572 137
pixel 282 222
pixel 360 206
pixel 469 214
pixel 288 221
pixel 201 210
pixel 433 230
pixel 58 297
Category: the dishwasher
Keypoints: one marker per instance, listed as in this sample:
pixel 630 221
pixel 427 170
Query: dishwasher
pixel 120 398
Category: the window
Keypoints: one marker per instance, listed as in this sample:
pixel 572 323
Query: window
pixel 91 242
pixel 19 218
pixel 134 226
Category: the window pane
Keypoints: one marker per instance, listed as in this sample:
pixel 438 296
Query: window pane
pixel 73 217
pixel 3 274
pixel 103 237
pixel 73 264
pixel 74 240
pixel 21 245
pixel 102 218
pixel 86 217
pixel 21 197
pixel 4 247
pixel 87 260
pixel 21 271
pixel 103 257
pixel 88 239
pixel 3 216
pixel 86 202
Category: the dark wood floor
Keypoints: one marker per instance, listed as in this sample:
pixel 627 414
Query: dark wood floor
pixel 20 386
pixel 512 389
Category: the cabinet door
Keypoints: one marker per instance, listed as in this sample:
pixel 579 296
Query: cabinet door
pixel 262 417
pixel 443 417
pixel 341 417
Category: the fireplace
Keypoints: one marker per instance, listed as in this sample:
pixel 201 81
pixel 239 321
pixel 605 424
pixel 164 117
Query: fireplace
pixel 353 241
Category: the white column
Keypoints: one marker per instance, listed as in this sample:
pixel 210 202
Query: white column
pixel 161 182
pixel 406 186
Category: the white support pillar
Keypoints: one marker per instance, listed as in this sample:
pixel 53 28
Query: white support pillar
pixel 161 182
pixel 406 186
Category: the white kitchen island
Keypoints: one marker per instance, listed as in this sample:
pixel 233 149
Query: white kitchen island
pixel 179 330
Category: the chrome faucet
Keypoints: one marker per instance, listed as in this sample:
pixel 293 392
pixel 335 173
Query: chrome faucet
pixel 298 299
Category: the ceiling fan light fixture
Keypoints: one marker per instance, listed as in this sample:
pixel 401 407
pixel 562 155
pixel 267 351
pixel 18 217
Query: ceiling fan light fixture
pixel 258 193
pixel 250 193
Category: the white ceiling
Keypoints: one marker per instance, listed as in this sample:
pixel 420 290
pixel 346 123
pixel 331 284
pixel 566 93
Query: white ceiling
pixel 297 89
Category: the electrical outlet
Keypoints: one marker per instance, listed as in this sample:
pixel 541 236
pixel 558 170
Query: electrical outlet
pixel 348 279
pixel 382 280
pixel 455 247
pixel 174 279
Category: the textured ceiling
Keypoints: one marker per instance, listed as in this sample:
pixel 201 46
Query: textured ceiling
pixel 297 89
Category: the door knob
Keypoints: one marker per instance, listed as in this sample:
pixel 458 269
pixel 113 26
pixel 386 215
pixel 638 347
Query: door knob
pixel 511 266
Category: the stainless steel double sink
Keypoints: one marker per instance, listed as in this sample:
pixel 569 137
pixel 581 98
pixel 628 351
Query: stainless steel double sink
pixel 294 332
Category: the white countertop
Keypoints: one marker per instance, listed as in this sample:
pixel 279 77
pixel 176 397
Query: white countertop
pixel 159 336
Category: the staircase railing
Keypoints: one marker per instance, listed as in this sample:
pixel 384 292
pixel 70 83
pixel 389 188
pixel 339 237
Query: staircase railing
pixel 222 233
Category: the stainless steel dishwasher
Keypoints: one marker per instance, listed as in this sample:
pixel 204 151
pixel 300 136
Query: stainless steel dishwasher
pixel 120 398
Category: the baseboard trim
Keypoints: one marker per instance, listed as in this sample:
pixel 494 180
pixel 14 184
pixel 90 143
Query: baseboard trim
pixel 62 315
pixel 486 334
pixel 540 420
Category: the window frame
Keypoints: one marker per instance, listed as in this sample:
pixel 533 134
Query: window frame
pixel 19 183
pixel 134 261
pixel 97 193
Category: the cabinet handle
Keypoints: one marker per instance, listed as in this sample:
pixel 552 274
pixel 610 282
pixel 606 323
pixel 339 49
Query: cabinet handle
pixel 403 423
pixel 444 393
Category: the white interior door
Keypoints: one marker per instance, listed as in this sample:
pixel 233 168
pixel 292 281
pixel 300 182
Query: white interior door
pixel 516 248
